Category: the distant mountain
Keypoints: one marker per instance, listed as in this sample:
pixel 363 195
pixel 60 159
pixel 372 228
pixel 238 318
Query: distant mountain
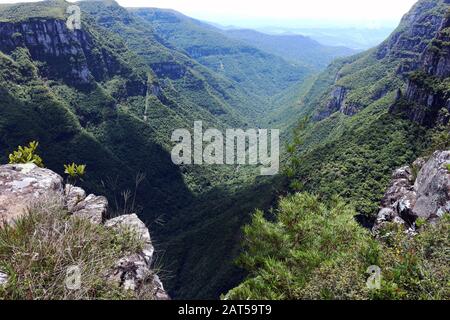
pixel 370 114
pixel 351 37
pixel 295 48
pixel 255 70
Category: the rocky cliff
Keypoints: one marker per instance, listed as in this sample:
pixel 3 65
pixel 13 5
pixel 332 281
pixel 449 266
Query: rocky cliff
pixel 426 100
pixel 78 57
pixel 417 194
pixel 22 185
pixel 363 79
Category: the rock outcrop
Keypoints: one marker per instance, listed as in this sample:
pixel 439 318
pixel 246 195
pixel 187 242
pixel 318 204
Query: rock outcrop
pixel 426 100
pixel 21 185
pixel 3 279
pixel 70 55
pixel 425 197
pixel 413 46
pixel 133 271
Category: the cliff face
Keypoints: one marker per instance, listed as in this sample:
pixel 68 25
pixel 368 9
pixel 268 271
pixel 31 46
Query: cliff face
pixel 23 185
pixel 427 100
pixel 367 78
pixel 78 57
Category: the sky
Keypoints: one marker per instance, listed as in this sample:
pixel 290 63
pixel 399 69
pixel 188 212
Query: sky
pixel 223 11
pixel 357 12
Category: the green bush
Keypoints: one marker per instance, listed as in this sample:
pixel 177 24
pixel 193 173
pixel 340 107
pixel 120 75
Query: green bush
pixel 26 155
pixel 311 251
pixel 317 251
pixel 75 171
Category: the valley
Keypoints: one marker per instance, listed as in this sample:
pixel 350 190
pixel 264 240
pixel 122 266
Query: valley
pixel 111 94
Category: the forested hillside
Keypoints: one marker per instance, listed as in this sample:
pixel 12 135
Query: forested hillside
pixel 362 118
pixel 295 48
pixel 110 94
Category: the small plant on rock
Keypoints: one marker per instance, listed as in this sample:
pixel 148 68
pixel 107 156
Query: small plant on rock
pixel 75 172
pixel 26 154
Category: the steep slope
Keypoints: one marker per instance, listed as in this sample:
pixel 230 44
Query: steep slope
pixel 256 71
pixel 83 95
pixel 316 250
pixel 296 48
pixel 354 141
pixel 182 79
pixel 371 114
pixel 78 93
pixel 426 100
pixel 58 218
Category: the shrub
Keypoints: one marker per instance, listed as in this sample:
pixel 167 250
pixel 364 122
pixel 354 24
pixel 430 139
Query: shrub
pixel 317 251
pixel 26 155
pixel 312 251
pixel 74 171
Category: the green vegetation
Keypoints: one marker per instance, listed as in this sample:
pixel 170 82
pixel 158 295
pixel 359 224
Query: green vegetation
pixel 317 251
pixel 101 124
pixel 23 11
pixel 26 155
pixel 75 171
pixel 313 248
pixel 153 71
pixel 298 49
pixel 38 250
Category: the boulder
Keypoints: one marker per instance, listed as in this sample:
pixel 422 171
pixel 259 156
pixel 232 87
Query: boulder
pixel 134 272
pixel 23 184
pixel 73 196
pixel 93 208
pixel 433 187
pixel 428 197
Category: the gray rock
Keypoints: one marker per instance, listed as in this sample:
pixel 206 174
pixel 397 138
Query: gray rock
pixel 428 197
pixel 433 187
pixel 133 222
pixel 134 272
pixel 396 191
pixel 23 184
pixel 403 173
pixel 93 208
pixel 419 163
pixel 73 196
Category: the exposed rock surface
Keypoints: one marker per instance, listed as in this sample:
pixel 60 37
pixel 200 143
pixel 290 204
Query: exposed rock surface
pixel 427 198
pixel 426 97
pixel 407 49
pixel 133 272
pixel 92 207
pixel 23 184
pixel 70 55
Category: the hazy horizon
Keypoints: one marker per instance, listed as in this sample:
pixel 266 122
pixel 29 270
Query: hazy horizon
pixel 286 14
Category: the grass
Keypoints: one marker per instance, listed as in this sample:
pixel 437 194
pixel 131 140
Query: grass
pixel 38 250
